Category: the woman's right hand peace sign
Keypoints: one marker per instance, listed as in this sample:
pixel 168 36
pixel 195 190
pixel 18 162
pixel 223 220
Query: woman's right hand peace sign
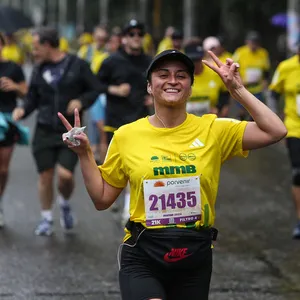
pixel 84 146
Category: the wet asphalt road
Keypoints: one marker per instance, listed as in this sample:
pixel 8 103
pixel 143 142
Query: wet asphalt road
pixel 254 257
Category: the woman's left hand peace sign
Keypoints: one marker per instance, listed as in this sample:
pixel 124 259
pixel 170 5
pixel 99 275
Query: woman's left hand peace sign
pixel 228 72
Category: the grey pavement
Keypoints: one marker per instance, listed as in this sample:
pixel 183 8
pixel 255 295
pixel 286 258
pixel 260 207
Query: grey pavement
pixel 254 257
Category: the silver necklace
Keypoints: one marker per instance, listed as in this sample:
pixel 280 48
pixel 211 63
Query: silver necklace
pixel 160 120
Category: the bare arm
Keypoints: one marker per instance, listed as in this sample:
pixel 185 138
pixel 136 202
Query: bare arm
pixel 267 127
pixel 102 194
pixel 8 85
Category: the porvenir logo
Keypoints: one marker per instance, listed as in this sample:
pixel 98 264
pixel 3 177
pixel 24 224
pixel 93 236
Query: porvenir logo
pixel 159 184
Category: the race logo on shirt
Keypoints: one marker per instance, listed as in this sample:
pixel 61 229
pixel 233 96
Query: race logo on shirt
pixel 170 170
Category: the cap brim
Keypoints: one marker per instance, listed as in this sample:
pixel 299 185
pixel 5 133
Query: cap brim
pixel 171 55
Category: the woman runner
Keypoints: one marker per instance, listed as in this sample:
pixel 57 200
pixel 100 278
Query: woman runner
pixel 172 160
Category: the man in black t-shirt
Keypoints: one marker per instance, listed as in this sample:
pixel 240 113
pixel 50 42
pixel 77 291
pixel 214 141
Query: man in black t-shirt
pixel 12 85
pixel 124 74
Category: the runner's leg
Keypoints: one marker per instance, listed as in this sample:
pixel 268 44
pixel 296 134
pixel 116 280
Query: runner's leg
pixel 45 189
pixel 5 158
pixel 136 277
pixel 45 161
pixel 67 161
pixel 293 145
pixel 192 284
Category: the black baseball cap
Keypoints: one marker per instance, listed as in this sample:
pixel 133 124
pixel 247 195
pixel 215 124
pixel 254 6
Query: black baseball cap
pixel 172 54
pixel 133 23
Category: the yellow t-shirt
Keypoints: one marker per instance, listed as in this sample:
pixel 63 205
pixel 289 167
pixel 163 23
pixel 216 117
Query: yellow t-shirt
pixel 198 147
pixel 286 81
pixel 97 61
pixel 205 92
pixel 88 52
pixel 82 52
pixel 13 53
pixel 252 67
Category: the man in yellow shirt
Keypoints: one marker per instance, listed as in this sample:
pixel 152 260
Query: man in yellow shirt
pixel 254 67
pixel 88 51
pixel 172 160
pixel 286 82
pixel 209 94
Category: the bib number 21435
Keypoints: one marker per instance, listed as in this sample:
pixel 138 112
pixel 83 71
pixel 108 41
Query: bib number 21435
pixel 172 200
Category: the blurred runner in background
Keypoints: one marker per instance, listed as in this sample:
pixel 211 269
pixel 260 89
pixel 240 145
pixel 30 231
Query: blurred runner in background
pixel 12 51
pixel 209 94
pixel 12 85
pixel 286 83
pixel 254 67
pixel 216 45
pixel 60 82
pixel 124 74
pixel 166 42
pixel 88 51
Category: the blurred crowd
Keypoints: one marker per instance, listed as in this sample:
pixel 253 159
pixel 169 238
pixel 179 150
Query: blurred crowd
pixel 111 86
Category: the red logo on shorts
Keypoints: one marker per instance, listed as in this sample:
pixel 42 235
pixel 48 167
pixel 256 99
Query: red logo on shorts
pixel 176 254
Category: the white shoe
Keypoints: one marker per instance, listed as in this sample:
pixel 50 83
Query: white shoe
pixel 44 228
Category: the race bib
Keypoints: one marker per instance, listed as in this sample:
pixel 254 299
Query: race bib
pixel 198 108
pixel 253 75
pixel 172 200
pixel 298 104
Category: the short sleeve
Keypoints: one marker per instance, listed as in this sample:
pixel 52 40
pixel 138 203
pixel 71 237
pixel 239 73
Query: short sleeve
pixel 229 134
pixel 277 83
pixel 112 170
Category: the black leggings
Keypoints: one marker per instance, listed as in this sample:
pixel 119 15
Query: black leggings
pixel 166 266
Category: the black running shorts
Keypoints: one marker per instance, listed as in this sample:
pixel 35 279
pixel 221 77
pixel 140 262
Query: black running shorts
pixel 11 136
pixel 49 149
pixel 168 264
pixel 293 145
